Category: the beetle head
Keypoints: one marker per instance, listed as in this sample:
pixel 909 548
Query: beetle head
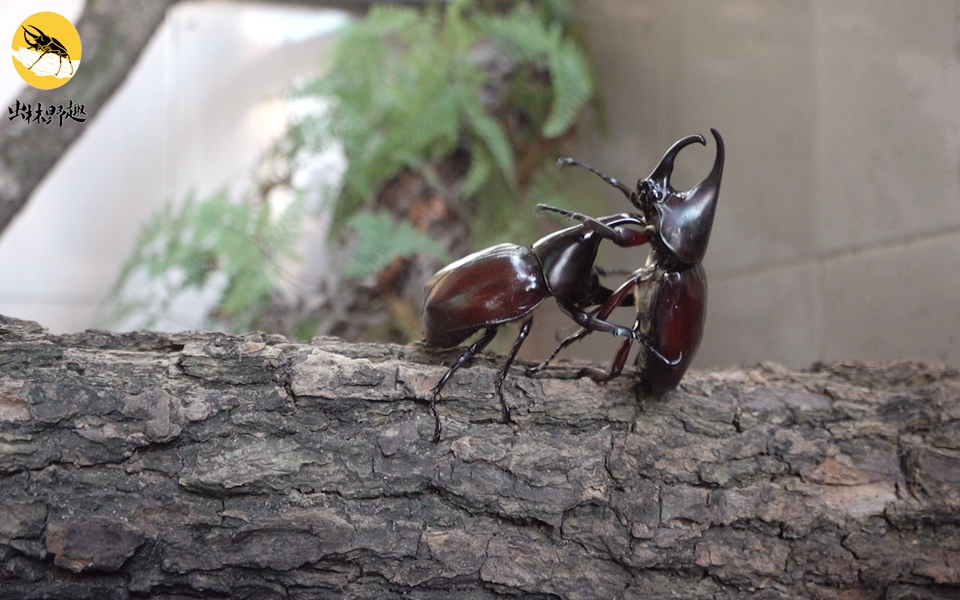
pixel 39 38
pixel 683 219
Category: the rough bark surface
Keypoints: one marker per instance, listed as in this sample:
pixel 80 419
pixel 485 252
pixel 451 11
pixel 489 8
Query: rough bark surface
pixel 205 465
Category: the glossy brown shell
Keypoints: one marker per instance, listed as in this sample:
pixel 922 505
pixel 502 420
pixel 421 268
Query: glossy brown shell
pixel 675 313
pixel 492 286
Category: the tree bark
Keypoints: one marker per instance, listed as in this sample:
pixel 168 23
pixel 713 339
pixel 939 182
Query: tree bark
pixel 205 465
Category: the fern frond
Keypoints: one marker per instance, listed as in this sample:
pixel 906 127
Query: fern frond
pixel 481 163
pixel 529 38
pixel 186 249
pixel 572 87
pixel 381 238
pixel 404 89
pixel 520 33
pixel 493 137
pixel 388 18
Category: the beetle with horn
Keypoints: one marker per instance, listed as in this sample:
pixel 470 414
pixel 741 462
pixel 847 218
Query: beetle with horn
pixel 670 291
pixel 507 282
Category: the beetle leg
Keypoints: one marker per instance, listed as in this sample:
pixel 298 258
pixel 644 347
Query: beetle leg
pixel 488 335
pixel 600 295
pixel 46 52
pixel 566 162
pixel 61 51
pixel 617 298
pixel 598 322
pixel 621 358
pixel 579 335
pixel 619 361
pixel 584 332
pixel 615 369
pixel 623 293
pixel 524 331
pixel 592 323
pixel 614 300
pixel 560 211
pixel 620 235
pixel 649 346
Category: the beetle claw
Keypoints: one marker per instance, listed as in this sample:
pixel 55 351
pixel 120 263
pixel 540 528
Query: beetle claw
pixel 436 415
pixel 674 362
pixel 650 348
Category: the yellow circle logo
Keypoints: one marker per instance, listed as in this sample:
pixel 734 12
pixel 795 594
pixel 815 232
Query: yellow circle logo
pixel 46 50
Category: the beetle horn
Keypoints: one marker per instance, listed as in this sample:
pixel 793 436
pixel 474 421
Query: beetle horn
pixel 686 218
pixel 661 175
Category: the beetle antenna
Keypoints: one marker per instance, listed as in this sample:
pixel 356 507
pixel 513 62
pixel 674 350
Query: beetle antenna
pixel 566 162
pixel 561 211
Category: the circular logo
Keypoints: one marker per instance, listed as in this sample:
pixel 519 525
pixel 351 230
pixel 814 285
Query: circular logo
pixel 46 50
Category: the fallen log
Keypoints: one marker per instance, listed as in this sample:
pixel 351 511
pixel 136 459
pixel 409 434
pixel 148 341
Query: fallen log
pixel 207 465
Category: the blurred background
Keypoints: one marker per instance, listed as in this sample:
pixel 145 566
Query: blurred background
pixel 303 167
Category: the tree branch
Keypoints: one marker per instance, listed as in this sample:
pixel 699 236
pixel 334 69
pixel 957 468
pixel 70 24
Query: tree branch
pixel 170 465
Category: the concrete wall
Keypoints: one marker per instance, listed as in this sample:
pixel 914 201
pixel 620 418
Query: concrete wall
pixel 838 230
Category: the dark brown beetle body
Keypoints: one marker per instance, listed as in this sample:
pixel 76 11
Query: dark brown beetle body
pixel 507 282
pixel 471 293
pixel 671 289
pixel 673 310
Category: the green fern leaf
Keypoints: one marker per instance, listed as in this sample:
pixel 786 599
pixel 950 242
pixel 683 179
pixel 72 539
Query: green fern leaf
pixel 188 248
pixel 380 239
pixel 495 140
pixel 572 88
pixel 528 38
pixel 481 163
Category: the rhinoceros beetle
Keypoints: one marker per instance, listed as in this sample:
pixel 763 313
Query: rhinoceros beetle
pixel 507 282
pixel 670 291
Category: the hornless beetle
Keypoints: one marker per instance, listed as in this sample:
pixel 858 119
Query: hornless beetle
pixel 506 282
pixel 671 289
